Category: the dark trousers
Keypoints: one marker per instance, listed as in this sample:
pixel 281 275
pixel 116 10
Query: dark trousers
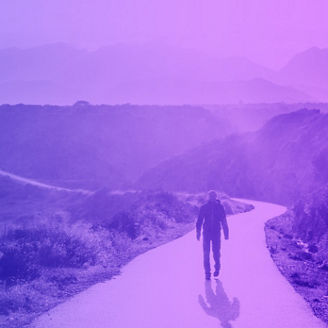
pixel 215 240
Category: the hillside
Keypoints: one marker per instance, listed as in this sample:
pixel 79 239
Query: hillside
pixel 86 146
pixel 280 162
pixel 252 117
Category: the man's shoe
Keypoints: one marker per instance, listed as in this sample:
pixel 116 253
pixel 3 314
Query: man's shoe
pixel 216 273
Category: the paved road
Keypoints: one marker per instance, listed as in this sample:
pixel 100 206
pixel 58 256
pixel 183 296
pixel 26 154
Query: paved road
pixel 165 288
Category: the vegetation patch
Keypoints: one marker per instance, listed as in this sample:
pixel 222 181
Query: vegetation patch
pixel 297 243
pixel 50 257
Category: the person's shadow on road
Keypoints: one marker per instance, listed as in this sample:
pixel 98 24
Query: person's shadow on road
pixel 218 305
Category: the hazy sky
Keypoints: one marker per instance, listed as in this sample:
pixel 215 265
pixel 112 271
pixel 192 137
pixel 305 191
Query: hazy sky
pixel 266 31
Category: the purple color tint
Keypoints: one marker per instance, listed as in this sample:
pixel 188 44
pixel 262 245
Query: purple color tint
pixel 268 32
pixel 162 288
pixel 117 116
pixel 217 304
pixel 163 52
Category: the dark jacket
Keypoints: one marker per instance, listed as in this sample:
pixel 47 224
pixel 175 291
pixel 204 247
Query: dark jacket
pixel 212 217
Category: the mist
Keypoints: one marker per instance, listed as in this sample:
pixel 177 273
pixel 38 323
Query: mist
pixel 163 163
pixel 269 33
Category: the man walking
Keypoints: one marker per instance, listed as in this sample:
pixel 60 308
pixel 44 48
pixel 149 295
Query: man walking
pixel 212 217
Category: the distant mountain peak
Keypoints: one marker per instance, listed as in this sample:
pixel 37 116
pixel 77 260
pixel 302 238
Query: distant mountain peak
pixel 308 71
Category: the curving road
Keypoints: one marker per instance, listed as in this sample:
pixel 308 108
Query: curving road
pixel 36 183
pixel 165 288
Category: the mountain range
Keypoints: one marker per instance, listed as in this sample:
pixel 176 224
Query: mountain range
pixel 152 73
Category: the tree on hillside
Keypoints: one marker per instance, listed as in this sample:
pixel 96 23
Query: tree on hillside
pixel 81 103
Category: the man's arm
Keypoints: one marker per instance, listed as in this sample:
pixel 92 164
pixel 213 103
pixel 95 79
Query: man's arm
pixel 199 222
pixel 224 223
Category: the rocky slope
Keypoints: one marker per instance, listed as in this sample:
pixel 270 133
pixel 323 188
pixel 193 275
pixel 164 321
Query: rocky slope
pixel 298 243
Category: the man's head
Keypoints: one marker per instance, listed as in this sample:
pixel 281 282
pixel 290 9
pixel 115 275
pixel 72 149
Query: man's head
pixel 212 195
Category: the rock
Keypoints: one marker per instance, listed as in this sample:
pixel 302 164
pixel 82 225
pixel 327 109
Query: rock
pixel 324 267
pixel 313 249
pixel 288 236
pixel 300 256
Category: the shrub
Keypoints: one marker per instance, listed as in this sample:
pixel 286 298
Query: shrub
pixel 124 222
pixel 15 265
pixel 25 252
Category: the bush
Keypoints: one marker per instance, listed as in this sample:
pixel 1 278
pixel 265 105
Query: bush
pixel 311 216
pixel 7 306
pixel 25 252
pixel 43 260
pixel 15 265
pixel 124 222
